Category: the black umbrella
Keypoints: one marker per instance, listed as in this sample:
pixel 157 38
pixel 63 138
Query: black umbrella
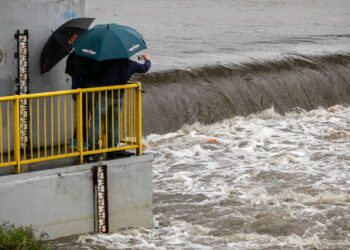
pixel 60 43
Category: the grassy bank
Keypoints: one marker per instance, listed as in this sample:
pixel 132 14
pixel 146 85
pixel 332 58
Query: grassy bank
pixel 21 238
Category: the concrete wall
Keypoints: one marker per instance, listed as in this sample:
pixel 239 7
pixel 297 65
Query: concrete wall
pixel 60 201
pixel 39 17
pixel 131 205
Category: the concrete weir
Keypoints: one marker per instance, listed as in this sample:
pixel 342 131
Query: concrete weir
pixel 61 201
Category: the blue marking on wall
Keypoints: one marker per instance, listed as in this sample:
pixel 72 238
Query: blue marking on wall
pixel 68 15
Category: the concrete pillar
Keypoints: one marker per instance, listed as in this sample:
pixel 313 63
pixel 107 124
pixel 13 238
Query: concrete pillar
pixel 39 17
pixel 60 201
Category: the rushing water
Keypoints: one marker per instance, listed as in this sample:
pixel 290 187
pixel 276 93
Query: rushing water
pixel 213 93
pixel 261 166
pixel 263 181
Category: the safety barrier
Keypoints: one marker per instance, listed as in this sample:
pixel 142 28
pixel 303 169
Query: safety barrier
pixel 70 123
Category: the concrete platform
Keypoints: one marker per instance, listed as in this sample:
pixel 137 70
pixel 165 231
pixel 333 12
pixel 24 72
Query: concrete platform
pixel 60 201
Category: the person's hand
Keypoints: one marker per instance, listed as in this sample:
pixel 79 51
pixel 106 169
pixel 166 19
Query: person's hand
pixel 146 57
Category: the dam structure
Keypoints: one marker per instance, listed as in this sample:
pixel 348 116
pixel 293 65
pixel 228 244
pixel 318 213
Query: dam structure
pixel 210 93
pixel 40 181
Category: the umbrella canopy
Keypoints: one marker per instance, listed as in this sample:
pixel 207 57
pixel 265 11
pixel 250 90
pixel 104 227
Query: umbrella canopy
pixel 60 43
pixel 109 41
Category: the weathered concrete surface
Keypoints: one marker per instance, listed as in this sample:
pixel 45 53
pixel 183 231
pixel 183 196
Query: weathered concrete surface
pixel 40 18
pixel 134 207
pixel 60 201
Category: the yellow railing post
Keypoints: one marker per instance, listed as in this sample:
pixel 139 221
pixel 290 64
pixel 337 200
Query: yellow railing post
pixel 17 138
pixel 138 119
pixel 79 118
pixel 130 137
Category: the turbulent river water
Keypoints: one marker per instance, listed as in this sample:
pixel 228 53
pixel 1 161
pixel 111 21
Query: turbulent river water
pixel 262 181
pixel 247 113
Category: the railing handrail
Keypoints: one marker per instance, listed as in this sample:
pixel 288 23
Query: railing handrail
pixel 135 115
pixel 68 92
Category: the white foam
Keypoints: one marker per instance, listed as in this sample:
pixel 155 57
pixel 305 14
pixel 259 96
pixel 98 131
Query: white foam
pixel 291 168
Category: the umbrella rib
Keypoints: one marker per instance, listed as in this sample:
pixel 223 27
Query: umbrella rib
pixel 105 40
pixel 124 46
pixel 137 38
pixel 120 41
pixel 99 47
pixel 102 44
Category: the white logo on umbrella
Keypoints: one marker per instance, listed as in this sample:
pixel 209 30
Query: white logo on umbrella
pixel 133 47
pixel 89 51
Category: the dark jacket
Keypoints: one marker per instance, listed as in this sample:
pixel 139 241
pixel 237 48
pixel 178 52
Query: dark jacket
pixel 103 73
pixel 119 71
pixel 84 69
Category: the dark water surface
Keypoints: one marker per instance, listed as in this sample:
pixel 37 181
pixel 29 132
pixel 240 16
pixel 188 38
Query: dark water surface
pixel 187 33
pixel 261 165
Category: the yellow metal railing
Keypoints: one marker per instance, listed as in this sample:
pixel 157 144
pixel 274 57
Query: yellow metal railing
pixel 72 123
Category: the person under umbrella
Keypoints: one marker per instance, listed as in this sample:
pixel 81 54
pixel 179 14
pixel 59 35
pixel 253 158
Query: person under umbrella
pixel 111 45
pixel 82 70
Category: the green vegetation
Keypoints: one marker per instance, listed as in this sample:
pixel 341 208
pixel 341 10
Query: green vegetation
pixel 20 238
